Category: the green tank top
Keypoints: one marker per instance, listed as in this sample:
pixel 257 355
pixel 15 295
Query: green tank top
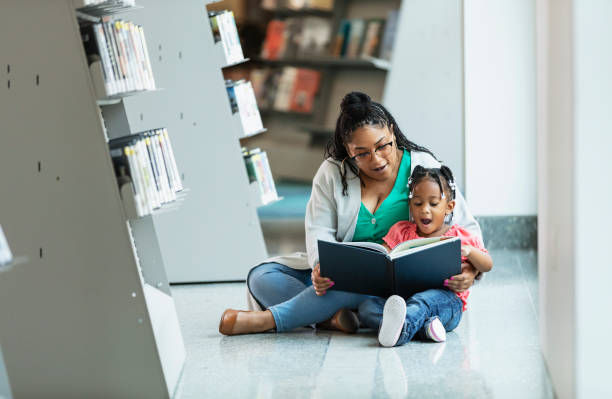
pixel 373 227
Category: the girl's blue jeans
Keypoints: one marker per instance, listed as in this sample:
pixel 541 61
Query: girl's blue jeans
pixel 420 309
pixel 289 295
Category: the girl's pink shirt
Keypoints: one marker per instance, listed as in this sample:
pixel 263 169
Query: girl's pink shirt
pixel 405 230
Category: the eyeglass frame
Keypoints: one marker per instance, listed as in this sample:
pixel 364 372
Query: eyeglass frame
pixel 370 153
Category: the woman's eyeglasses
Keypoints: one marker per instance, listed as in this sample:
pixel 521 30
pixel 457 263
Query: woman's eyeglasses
pixel 382 151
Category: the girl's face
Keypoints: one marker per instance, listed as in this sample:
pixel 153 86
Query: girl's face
pixel 428 208
pixel 373 150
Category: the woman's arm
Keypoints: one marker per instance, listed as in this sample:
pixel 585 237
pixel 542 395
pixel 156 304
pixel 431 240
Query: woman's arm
pixel 321 216
pixel 479 259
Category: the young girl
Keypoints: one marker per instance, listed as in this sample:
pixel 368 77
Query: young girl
pixel 431 313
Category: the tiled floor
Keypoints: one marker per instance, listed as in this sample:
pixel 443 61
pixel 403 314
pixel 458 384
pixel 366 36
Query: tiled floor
pixel 494 352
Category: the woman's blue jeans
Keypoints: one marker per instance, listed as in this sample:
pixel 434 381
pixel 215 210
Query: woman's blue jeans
pixel 420 308
pixel 289 295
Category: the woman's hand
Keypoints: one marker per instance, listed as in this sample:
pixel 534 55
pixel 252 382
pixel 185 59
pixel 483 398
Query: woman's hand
pixel 320 284
pixel 463 281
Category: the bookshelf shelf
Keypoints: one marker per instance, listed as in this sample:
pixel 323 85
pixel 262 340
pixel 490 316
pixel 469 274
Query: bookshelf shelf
pixel 276 112
pixel 95 13
pixel 19 260
pixel 242 61
pixel 246 136
pixel 271 201
pixel 288 12
pixel 331 62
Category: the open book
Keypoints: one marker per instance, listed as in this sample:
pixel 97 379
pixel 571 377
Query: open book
pixel 412 266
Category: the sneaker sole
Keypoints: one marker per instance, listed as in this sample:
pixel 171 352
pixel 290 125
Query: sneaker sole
pixel 394 315
pixel 436 331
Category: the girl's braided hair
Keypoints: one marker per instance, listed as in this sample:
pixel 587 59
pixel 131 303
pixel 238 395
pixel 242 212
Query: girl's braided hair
pixel 442 176
pixel 357 110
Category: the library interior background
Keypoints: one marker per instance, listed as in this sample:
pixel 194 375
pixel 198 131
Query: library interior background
pixel 153 152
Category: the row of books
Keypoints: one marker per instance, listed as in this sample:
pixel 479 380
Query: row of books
pixel 121 48
pixel 326 5
pixel 296 37
pixel 286 89
pixel 6 255
pixel 258 170
pixel 308 36
pixel 366 37
pixel 242 101
pixel 225 31
pixel 145 163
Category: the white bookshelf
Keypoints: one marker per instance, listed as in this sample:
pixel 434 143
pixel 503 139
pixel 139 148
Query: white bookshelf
pixel 89 312
pixel 198 240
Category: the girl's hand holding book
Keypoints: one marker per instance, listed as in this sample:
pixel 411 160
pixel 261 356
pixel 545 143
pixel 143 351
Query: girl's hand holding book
pixel 320 284
pixel 463 281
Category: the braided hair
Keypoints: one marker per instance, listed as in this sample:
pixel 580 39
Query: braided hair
pixel 358 110
pixel 442 176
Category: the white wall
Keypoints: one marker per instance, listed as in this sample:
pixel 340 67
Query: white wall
pixel 500 98
pixel 592 194
pixel 575 168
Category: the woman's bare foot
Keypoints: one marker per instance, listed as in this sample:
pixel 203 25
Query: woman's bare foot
pixel 235 322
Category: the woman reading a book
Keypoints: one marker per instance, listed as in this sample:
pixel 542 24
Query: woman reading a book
pixel 358 193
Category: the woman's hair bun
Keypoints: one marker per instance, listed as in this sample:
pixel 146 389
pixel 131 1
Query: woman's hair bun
pixel 356 104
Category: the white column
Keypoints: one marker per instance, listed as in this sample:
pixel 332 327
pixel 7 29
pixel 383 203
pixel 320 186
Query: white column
pixel 574 170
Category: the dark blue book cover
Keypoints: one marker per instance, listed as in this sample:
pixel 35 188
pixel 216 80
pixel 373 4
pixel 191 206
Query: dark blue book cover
pixel 371 271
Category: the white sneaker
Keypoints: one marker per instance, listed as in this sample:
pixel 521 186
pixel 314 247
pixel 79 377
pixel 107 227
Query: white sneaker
pixel 394 315
pixel 435 330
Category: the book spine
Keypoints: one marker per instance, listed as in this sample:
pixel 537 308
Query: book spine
pixel 165 140
pixel 104 57
pixel 151 79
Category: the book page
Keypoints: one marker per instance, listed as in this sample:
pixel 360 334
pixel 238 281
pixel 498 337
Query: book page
pixel 368 245
pixel 417 245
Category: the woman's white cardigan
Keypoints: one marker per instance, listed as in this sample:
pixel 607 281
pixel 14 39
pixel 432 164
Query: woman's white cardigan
pixel 331 216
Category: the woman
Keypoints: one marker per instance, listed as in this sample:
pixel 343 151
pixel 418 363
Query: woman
pixel 358 193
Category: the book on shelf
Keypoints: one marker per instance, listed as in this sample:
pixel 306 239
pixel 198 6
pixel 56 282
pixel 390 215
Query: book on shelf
pixel 258 170
pixel 364 38
pixel 287 89
pixel 121 49
pixel 6 255
pixel 388 37
pixel 224 29
pixel 243 101
pixel 106 3
pixel 274 43
pixel 324 5
pixel 305 87
pixel 371 39
pixel 296 37
pixel 354 38
pixel 341 38
pixel 412 266
pixel 146 169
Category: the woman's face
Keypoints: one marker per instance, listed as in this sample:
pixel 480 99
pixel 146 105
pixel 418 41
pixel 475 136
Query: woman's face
pixel 372 149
